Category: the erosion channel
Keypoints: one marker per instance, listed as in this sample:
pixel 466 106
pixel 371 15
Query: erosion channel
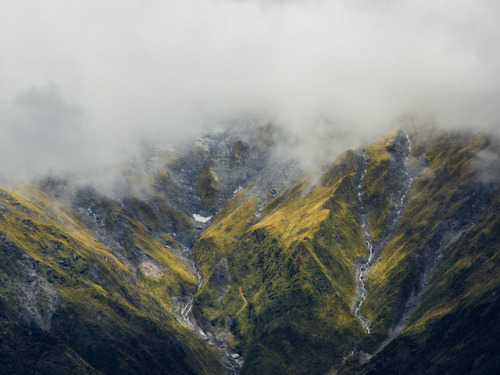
pixel 231 361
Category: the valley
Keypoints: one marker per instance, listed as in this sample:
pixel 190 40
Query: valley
pixel 221 258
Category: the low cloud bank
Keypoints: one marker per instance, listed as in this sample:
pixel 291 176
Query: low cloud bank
pixel 83 83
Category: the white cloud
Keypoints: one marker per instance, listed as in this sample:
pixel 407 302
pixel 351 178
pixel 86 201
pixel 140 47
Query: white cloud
pixel 119 71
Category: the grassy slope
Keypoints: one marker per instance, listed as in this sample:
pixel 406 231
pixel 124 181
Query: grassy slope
pixel 294 268
pixel 282 281
pixel 294 265
pixel 439 194
pixel 455 326
pixel 108 316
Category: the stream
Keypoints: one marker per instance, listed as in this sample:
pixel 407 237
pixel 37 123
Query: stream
pixel 231 360
pixel 361 291
pixel 399 198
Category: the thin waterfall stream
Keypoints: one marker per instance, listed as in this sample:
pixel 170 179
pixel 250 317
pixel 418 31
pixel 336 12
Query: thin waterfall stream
pixel 365 267
pixel 399 198
pixel 231 361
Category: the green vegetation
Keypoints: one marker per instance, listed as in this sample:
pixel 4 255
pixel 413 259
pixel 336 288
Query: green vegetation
pixel 295 266
pixel 98 312
pixel 455 328
pixel 90 285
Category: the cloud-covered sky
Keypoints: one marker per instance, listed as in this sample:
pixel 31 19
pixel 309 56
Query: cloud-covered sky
pixel 84 81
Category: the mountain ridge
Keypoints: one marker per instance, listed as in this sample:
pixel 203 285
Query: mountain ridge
pixel 284 262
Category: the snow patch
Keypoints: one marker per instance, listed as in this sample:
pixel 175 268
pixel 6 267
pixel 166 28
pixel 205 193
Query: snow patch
pixel 201 219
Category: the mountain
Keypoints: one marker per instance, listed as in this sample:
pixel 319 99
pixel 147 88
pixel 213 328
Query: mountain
pixel 222 258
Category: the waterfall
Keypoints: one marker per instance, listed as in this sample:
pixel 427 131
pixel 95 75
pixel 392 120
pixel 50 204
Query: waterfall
pixel 364 268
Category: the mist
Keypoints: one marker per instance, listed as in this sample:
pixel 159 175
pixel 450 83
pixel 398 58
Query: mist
pixel 84 84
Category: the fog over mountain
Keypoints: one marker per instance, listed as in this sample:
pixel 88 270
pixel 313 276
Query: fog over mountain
pixel 249 187
pixel 83 83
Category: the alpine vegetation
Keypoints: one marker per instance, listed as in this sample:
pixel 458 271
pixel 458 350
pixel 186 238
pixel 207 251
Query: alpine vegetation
pixel 249 187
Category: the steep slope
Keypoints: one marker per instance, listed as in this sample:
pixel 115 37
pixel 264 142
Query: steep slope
pixel 438 276
pixel 287 285
pixel 221 259
pixel 294 267
pixel 85 307
pixel 104 282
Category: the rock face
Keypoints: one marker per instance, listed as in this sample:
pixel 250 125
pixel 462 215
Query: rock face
pixel 222 259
